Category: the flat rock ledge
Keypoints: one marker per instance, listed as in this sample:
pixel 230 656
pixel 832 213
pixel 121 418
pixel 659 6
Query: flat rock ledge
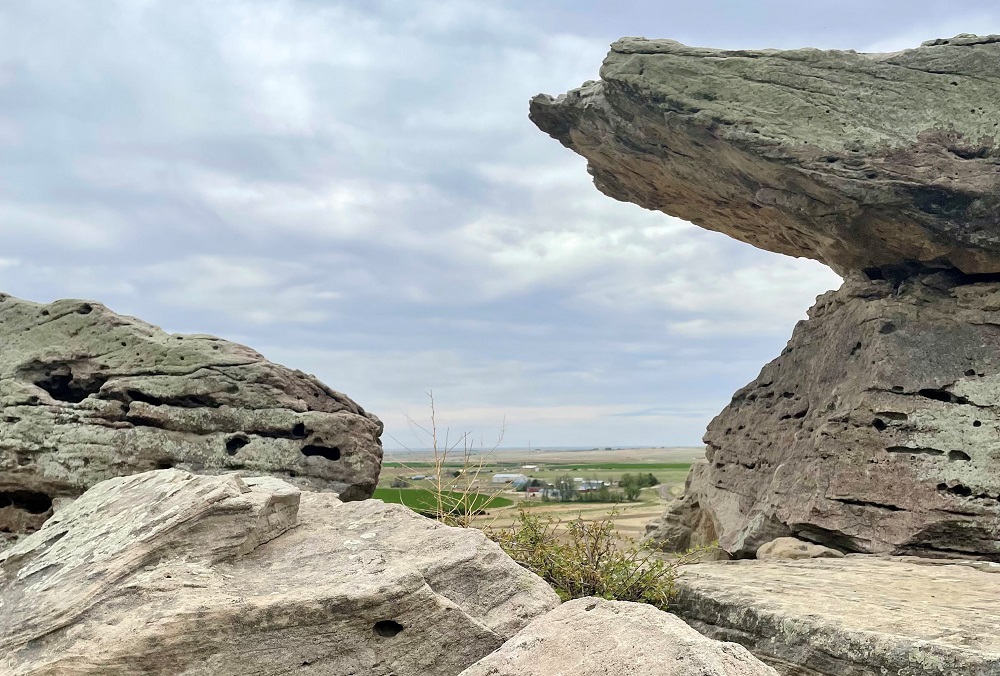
pixel 87 394
pixel 596 637
pixel 171 573
pixel 856 616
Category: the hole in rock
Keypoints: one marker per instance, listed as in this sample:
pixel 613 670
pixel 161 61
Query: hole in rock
pixel 942 395
pixel 299 431
pixel 879 424
pixel 328 452
pixel 957 489
pixel 955 456
pixel 970 372
pixel 897 388
pixel 164 464
pixel 85 309
pixel 62 385
pixel 887 328
pixel 34 502
pixel 234 444
pixel 892 415
pixel 977 423
pixel 388 628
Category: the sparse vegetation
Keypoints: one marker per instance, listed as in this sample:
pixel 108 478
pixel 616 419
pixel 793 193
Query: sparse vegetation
pixel 587 559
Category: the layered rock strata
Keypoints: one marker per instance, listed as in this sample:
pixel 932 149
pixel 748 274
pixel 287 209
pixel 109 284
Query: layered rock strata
pixel 876 430
pixel 86 394
pixel 171 573
pixel 856 616
pixel 855 160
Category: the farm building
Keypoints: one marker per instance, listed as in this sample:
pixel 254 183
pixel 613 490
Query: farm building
pixel 515 480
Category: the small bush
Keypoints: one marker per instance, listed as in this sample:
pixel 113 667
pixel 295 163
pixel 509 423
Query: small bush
pixel 586 560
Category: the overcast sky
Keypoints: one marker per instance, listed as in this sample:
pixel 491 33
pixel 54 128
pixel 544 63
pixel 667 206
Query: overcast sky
pixel 354 189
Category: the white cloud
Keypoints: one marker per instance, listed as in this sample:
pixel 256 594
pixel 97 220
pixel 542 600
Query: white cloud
pixel 258 291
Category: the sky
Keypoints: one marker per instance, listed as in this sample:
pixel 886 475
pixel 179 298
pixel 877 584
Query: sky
pixel 353 188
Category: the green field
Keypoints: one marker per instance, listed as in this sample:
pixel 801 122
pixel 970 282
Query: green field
pixel 423 500
pixel 617 466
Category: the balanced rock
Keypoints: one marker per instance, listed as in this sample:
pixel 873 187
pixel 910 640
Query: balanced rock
pixel 875 431
pixel 855 160
pixel 595 637
pixel 171 573
pixel 856 616
pixel 86 394
pixel 794 548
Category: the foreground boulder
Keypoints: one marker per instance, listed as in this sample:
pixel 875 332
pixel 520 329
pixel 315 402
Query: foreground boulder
pixel 86 395
pixel 877 429
pixel 857 616
pixel 874 431
pixel 595 637
pixel 171 573
pixel 855 160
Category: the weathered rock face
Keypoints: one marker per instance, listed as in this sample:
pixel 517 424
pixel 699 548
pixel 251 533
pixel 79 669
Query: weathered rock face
pixel 874 431
pixel 856 160
pixel 86 395
pixel 859 616
pixel 176 574
pixel 595 637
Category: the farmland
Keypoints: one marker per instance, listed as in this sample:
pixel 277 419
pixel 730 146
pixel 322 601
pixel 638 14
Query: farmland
pixel 668 465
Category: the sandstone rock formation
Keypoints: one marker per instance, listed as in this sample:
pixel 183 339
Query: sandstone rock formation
pixel 878 428
pixel 86 394
pixel 171 573
pixel 856 160
pixel 858 616
pixel 794 548
pixel 594 637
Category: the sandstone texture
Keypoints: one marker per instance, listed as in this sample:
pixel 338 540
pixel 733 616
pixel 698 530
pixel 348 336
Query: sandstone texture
pixel 595 637
pixel 855 160
pixel 177 574
pixel 875 431
pixel 857 616
pixel 86 395
pixel 794 548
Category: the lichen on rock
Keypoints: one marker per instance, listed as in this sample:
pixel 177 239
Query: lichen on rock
pixel 87 394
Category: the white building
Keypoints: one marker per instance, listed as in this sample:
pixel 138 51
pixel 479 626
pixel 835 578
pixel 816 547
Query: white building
pixel 515 480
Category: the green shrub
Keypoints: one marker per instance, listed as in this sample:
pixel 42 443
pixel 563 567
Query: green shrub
pixel 586 560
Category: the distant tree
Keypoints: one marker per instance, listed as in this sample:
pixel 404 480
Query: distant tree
pixel 400 482
pixel 631 486
pixel 566 488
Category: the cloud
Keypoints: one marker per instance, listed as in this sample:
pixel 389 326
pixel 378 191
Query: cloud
pixel 355 189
